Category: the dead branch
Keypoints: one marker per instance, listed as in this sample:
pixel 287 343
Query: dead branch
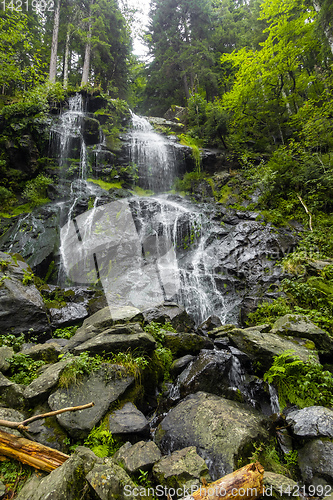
pixel 307 211
pixel 22 426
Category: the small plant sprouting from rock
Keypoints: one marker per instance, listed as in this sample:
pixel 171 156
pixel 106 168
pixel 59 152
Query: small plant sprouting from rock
pixel 157 331
pixel 11 340
pixel 101 442
pixel 132 364
pixel 65 333
pixel 78 367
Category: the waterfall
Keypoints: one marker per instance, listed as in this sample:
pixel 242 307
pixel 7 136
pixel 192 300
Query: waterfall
pixel 153 155
pixel 143 250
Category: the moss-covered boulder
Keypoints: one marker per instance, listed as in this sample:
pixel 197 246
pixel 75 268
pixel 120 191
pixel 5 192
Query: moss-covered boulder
pixel 262 346
pixel 181 344
pixel 140 456
pixel 297 325
pixel 90 130
pixel 223 431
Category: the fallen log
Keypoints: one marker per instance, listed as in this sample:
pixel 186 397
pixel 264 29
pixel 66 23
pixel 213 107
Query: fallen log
pixel 245 483
pixel 29 452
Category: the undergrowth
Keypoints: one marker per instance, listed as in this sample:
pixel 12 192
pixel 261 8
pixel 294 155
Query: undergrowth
pixel 300 383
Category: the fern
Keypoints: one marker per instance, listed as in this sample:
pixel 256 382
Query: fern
pixel 299 383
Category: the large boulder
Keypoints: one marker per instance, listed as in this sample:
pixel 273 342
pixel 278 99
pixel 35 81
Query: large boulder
pixel 39 389
pixel 11 394
pixel 5 352
pixel 262 347
pixel 90 131
pixel 223 431
pixel 209 373
pixel 313 421
pixel 300 326
pixel 21 305
pixel 102 387
pixel 181 344
pixel 12 416
pixel 315 461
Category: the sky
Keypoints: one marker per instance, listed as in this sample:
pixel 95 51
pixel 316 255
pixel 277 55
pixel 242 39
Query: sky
pixel 140 25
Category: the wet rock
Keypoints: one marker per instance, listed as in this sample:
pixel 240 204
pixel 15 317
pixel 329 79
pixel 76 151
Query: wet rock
pixel 68 315
pixel 221 331
pixel 300 326
pixel 109 481
pixel 128 420
pixel 210 323
pixel 5 352
pixel 176 113
pixel 209 373
pixel 180 364
pixel 118 338
pixel 35 236
pixel 64 483
pixel 90 131
pixel 170 313
pixel 280 487
pixel 42 386
pixel 262 347
pixel 12 416
pixel 102 387
pixel 182 469
pixel 223 431
pixel 140 456
pixel 181 344
pixel 315 461
pixel 313 421
pixel 47 352
pixel 22 306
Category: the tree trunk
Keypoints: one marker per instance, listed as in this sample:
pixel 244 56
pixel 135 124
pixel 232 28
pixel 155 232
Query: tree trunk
pixel 87 54
pixel 54 46
pixel 31 453
pixel 66 57
pixel 245 483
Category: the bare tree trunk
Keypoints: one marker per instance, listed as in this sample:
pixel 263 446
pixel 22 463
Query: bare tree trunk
pixel 86 64
pixel 54 46
pixel 66 57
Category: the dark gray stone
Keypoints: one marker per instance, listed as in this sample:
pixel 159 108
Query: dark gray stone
pixel 315 461
pixel 140 456
pixel 181 344
pixel 12 416
pixel 182 469
pixel 313 421
pixel 180 364
pixel 128 420
pixel 5 352
pixel 102 387
pixel 39 388
pixel 21 306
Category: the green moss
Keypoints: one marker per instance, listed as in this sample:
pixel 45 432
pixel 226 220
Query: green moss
pixel 224 194
pixel 106 185
pixel 142 192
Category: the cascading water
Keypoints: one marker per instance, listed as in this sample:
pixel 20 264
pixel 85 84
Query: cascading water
pixel 155 158
pixel 145 250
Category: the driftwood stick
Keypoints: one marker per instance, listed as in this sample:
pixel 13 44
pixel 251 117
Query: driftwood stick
pixel 22 426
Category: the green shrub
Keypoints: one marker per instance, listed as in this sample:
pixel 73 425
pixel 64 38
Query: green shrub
pixel 35 190
pixel 65 333
pixel 11 340
pixel 101 442
pixel 78 367
pixel 132 364
pixel 157 331
pixel 303 384
pixel 24 368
